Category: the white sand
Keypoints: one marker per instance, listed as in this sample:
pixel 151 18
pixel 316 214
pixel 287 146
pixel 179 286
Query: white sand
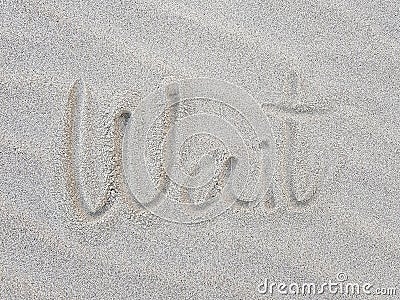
pixel 325 77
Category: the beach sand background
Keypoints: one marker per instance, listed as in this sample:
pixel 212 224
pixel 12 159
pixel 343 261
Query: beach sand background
pixel 338 59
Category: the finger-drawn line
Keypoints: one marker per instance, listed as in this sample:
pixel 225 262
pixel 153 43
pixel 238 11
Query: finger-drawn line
pixel 298 112
pixel 288 182
pixel 222 180
pixel 291 115
pixel 170 117
pixel 78 100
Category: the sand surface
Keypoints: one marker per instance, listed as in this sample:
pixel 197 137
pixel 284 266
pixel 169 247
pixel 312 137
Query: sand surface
pixel 199 149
